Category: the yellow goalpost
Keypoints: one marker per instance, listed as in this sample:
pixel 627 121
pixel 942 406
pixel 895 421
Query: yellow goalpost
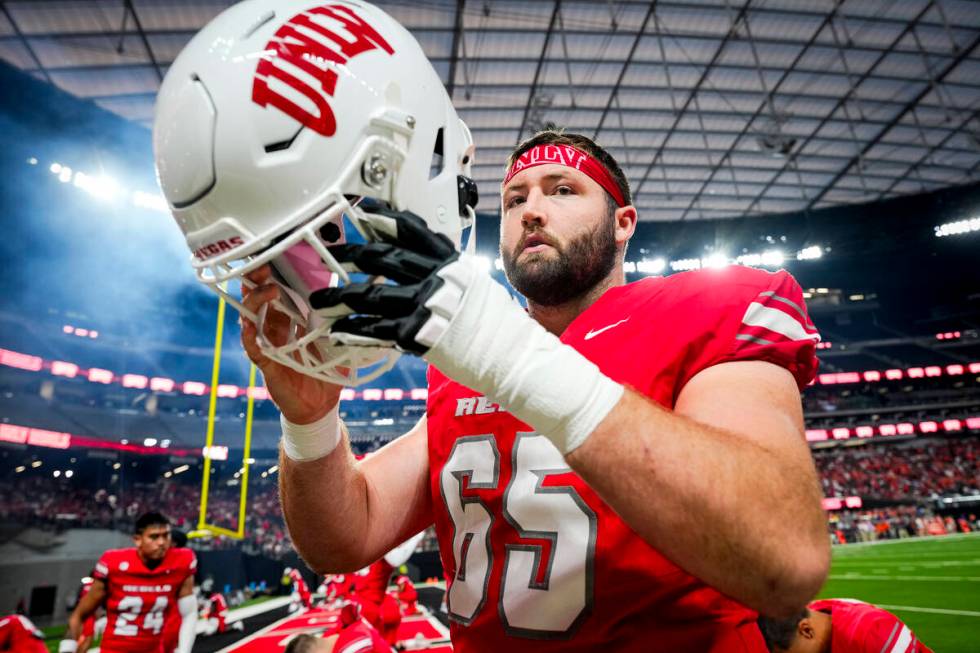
pixel 204 529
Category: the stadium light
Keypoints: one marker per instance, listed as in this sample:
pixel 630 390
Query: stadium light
pixel 69 474
pixel 957 228
pixel 685 264
pixel 655 266
pixel 101 187
pixel 810 253
pixel 57 473
pixel 773 258
pixel 19 468
pixel 36 464
pixel 149 442
pixel 715 260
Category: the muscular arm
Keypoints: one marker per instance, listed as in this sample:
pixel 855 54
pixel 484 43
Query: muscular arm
pixel 344 514
pixel 724 485
pixel 86 606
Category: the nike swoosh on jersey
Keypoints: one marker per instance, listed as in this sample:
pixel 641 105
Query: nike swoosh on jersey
pixel 593 333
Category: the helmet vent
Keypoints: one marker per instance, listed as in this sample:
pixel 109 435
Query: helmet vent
pixel 283 145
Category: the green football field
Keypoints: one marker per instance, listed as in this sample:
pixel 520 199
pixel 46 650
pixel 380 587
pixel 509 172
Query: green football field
pixel 933 585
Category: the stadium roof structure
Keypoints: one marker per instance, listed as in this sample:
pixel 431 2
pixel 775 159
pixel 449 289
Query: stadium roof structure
pixel 715 108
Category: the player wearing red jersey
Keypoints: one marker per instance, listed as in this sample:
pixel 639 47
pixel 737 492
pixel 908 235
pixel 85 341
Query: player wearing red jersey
pixel 408 596
pixel 840 626
pixel 19 635
pixel 337 587
pixel 300 596
pixel 602 468
pixel 139 588
pixel 351 635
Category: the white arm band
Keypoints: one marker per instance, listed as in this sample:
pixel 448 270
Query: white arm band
pixel 491 345
pixel 67 646
pixel 187 606
pixel 302 442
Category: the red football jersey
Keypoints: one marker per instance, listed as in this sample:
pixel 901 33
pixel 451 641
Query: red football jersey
pixel 858 627
pixel 299 583
pixel 372 584
pixel 359 637
pixel 139 600
pixel 532 554
pixel 19 635
pixel 338 586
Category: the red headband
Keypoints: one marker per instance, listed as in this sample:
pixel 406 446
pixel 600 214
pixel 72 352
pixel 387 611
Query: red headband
pixel 566 155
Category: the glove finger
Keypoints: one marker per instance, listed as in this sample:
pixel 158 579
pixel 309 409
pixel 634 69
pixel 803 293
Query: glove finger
pixel 387 260
pixel 372 299
pixel 376 328
pixel 408 230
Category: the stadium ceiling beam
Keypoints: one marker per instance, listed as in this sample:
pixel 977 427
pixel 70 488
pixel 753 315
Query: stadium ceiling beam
pixel 622 72
pixel 142 34
pixel 909 26
pixel 931 85
pixel 766 103
pixel 971 116
pixel 457 37
pixel 697 87
pixel 830 75
pixel 23 40
pixel 537 71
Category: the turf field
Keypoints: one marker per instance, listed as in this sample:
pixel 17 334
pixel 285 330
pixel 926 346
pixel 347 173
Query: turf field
pixel 932 584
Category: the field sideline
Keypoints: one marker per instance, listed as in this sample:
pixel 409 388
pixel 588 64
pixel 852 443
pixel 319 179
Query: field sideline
pixel 932 584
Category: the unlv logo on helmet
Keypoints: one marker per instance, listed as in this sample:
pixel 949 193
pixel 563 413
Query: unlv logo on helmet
pixel 308 42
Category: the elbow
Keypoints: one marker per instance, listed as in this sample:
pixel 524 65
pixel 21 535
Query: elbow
pixel 805 572
pixel 332 562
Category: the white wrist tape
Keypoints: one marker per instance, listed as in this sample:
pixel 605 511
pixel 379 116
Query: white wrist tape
pixel 491 345
pixel 303 442
pixel 67 646
pixel 187 607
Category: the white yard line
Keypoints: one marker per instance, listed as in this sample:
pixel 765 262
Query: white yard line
pixel 909 608
pixel 957 579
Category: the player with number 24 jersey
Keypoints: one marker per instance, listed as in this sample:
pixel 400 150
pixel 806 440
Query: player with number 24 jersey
pixel 139 599
pixel 531 552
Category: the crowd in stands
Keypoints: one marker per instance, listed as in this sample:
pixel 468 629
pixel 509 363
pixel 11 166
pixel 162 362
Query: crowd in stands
pixel 907 473
pixel 901 472
pixel 896 523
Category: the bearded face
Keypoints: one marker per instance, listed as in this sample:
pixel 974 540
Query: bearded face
pixel 561 271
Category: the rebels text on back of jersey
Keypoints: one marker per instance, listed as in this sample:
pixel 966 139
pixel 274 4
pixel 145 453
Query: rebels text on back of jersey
pixel 532 553
pixel 139 599
pixel 858 627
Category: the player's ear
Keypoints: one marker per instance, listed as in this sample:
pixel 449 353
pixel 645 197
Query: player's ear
pixel 805 629
pixel 625 218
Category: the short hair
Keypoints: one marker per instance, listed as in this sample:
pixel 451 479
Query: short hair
pixel 148 519
pixel 578 141
pixel 179 538
pixel 780 633
pixel 302 643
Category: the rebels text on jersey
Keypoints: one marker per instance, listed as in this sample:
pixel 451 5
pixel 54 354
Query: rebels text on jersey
pixel 138 599
pixel 532 554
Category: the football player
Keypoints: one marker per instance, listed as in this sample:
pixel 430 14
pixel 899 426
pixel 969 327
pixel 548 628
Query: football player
pixel 408 596
pixel 89 627
pixel 19 635
pixel 300 595
pixel 840 626
pixel 139 587
pixel 601 468
pixel 351 635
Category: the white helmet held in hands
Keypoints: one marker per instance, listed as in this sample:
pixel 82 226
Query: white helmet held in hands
pixel 279 118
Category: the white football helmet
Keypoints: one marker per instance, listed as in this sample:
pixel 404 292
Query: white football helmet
pixel 274 122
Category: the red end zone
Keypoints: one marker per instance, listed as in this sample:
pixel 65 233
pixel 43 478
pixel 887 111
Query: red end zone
pixel 423 631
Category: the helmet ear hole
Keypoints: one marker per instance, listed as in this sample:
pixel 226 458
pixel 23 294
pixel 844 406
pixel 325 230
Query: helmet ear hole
pixel 438 163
